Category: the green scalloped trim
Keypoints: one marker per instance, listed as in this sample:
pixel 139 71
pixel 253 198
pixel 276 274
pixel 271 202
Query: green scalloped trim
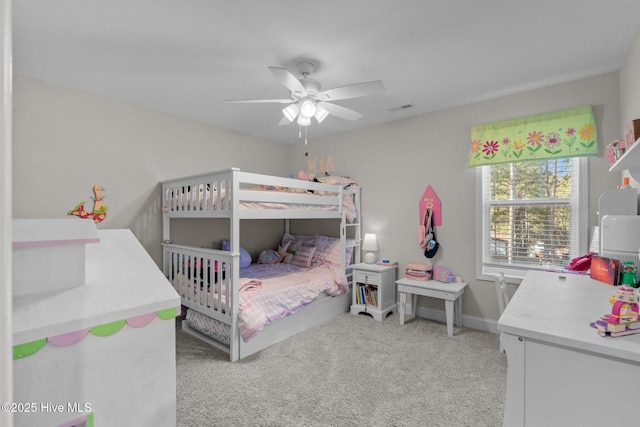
pixel 108 328
pixel 167 313
pixel 28 348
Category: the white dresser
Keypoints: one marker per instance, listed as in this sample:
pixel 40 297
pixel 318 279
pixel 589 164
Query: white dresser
pixel 561 372
pixel 101 352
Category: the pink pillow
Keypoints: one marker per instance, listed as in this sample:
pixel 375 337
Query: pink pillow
pixel 292 238
pixel 303 256
pixel 328 251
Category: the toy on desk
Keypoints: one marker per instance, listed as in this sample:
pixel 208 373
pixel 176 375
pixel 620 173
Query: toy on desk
pixel 628 274
pixel 623 319
pixel 388 262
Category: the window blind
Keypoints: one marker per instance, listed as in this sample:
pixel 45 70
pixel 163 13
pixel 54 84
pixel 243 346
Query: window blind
pixel 530 214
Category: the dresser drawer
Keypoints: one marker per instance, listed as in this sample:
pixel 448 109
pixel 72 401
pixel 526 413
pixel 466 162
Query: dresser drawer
pixel 368 278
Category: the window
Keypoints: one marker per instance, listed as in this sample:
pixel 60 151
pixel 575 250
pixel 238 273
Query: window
pixel 531 215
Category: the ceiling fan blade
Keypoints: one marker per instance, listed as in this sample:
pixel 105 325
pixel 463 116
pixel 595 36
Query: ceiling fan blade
pixel 259 101
pixel 289 80
pixel 351 91
pixel 340 111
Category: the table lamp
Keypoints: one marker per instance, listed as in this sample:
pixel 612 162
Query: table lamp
pixel 370 244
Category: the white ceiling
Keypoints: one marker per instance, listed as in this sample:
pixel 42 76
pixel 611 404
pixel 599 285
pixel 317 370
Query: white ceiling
pixel 184 57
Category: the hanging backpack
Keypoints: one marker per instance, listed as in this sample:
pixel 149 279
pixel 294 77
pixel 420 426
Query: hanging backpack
pixel 429 244
pixel 424 233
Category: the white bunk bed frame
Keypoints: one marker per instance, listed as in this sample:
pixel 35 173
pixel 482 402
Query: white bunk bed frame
pixel 192 197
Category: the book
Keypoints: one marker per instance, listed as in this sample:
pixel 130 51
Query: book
pixel 605 269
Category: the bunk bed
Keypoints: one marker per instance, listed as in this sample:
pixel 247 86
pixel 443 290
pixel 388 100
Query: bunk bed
pixel 211 283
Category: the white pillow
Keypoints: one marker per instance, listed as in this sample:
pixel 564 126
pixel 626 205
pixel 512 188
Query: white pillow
pixel 336 180
pixel 292 243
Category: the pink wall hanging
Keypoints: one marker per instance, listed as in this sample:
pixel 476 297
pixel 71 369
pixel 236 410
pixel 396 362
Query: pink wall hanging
pixel 430 200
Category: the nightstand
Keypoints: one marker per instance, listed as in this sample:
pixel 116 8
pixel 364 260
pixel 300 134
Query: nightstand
pixel 374 290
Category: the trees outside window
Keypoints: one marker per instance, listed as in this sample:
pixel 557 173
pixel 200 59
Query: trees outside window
pixel 531 215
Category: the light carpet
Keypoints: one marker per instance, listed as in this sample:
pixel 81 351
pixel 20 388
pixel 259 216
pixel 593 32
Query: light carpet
pixel 351 370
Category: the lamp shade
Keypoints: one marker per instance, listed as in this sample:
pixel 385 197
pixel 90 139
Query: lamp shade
pixel 370 242
pixel 321 114
pixel 291 112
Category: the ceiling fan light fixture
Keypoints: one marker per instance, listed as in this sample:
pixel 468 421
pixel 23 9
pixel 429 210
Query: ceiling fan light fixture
pixel 291 112
pixel 304 120
pixel 308 100
pixel 321 113
pixel 308 108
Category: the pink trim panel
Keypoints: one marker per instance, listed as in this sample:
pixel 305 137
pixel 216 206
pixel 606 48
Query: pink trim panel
pixel 42 243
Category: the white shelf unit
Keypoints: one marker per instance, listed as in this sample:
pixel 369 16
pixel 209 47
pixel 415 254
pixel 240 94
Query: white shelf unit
pixel 373 290
pixel 630 161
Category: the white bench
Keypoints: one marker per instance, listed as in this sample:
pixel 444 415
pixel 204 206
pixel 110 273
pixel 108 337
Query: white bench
pixel 451 293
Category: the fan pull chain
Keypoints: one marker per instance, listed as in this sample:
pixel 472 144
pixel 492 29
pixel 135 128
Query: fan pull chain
pixel 300 134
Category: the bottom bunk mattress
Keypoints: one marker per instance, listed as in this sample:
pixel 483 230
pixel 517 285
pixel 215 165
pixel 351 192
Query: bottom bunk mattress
pixel 269 292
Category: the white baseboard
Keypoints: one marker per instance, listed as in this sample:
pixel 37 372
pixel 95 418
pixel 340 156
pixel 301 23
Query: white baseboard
pixel 473 322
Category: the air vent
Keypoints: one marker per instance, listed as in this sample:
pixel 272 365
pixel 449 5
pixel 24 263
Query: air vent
pixel 402 107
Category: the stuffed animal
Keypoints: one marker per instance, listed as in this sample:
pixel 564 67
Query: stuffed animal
pixel 245 257
pixel 283 250
pixel 268 256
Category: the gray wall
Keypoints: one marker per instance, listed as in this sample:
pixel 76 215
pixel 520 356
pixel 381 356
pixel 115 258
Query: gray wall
pixel 66 141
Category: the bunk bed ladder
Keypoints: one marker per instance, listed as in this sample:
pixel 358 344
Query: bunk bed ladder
pixel 353 230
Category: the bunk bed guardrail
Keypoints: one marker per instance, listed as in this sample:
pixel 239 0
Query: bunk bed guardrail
pixel 212 194
pixel 202 277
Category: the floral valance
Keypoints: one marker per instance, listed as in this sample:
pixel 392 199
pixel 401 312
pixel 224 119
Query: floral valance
pixel 565 133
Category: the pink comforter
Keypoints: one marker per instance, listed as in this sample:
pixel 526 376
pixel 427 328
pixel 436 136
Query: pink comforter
pixel 282 289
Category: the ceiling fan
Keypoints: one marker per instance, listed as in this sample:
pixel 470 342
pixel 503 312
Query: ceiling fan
pixel 308 101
